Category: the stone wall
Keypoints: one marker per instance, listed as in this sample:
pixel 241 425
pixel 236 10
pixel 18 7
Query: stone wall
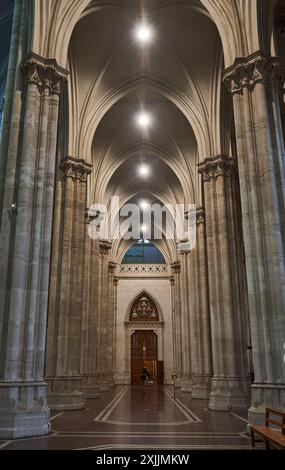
pixel 128 289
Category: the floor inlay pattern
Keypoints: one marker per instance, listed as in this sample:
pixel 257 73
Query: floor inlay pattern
pixel 137 418
pixel 150 395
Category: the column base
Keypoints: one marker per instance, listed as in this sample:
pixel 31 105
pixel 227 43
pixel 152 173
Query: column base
pixel 186 384
pixel 65 393
pixel 201 386
pixel 263 395
pixel 23 410
pixel 90 387
pixel 229 393
pixel 122 378
pixel 106 381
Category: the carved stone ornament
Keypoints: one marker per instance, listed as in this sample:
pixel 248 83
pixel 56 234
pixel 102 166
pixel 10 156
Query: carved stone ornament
pixel 144 309
pixel 176 267
pixel 105 247
pixel 112 267
pixel 44 73
pixel 200 216
pixel 257 68
pixel 75 168
pixel 213 167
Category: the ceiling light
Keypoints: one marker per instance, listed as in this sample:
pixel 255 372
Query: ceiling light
pixel 144 205
pixel 143 33
pixel 143 119
pixel 143 170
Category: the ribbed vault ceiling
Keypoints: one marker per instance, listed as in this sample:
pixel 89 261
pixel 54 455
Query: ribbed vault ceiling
pixel 175 78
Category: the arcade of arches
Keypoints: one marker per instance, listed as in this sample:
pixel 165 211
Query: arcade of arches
pixel 80 316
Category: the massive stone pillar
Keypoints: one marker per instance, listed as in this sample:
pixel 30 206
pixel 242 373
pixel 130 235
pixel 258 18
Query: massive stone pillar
pixel 185 293
pixel 255 83
pixel 25 240
pixel 103 318
pixel 89 346
pixel 111 322
pixel 200 328
pixel 11 118
pixel 176 321
pixel 66 288
pixel 228 305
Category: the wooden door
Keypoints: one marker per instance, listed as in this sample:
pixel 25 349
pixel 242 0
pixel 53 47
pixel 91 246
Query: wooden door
pixel 144 353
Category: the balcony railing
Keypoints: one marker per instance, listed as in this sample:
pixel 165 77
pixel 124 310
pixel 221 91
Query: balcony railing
pixel 146 269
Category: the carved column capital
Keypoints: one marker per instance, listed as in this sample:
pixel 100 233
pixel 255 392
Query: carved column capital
pixel 200 216
pixel 248 71
pixel 44 73
pixel 112 267
pixel 104 247
pixel 183 247
pixel 176 267
pixel 75 168
pixel 213 167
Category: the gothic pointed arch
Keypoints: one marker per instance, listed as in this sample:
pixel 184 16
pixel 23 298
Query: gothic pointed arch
pixel 143 308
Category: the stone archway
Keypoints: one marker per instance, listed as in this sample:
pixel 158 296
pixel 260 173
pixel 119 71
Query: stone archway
pixel 144 339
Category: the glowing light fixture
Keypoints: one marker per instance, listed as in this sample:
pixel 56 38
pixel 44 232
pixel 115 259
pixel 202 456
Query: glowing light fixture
pixel 143 32
pixel 143 119
pixel 143 170
pixel 144 228
pixel 144 205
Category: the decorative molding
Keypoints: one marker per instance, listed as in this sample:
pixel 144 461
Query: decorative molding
pixel 213 167
pixel 143 268
pixel 144 310
pixel 200 216
pixel 257 68
pixel 44 73
pixel 144 324
pixel 183 252
pixel 104 247
pixel 75 168
pixel 176 267
pixel 112 267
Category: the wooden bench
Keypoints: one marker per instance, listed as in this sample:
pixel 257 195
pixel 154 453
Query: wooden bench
pixel 271 436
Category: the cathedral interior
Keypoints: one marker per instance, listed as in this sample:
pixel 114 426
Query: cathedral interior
pixel 141 104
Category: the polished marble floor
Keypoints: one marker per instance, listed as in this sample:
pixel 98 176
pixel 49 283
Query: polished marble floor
pixel 141 417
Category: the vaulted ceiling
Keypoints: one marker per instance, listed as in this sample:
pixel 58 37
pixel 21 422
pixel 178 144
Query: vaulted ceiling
pixel 175 78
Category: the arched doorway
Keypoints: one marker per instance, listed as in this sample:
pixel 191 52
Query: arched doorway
pixel 144 340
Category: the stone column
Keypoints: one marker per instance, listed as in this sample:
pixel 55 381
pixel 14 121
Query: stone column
pixel 255 83
pixel 177 341
pixel 90 383
pixel 186 385
pixel 12 118
pixel 66 291
pixel 25 240
pixel 111 322
pixel 228 307
pixel 116 282
pixel 103 323
pixel 201 349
